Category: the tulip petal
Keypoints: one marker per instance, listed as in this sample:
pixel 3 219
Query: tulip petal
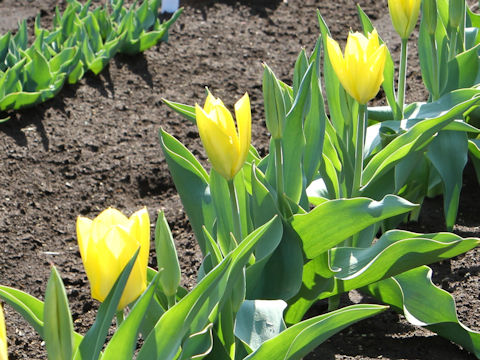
pixel 140 231
pixel 105 220
pixel 3 337
pixel 219 146
pixel 243 115
pixel 84 229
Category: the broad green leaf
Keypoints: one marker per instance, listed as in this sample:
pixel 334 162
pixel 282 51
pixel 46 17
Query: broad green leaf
pixel 463 70
pixel 448 153
pixel 423 304
pixel 198 345
pixel 278 275
pixel 416 137
pixel 26 305
pixel 94 339
pixel 293 144
pixel 314 124
pixel 58 324
pixel 395 252
pixel 192 312
pixel 122 344
pixel 37 74
pixel 259 320
pixel 323 228
pixel 345 268
pixel 191 182
pixel 299 339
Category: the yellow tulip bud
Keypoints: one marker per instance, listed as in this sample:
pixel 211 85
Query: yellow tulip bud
pixel 361 70
pixel 107 244
pixel 226 148
pixel 404 15
pixel 3 337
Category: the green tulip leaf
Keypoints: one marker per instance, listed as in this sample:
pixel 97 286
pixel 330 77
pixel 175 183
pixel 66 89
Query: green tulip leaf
pixel 259 320
pixel 293 145
pixel 448 153
pixel 346 268
pixel 187 111
pixel 192 184
pixel 167 258
pixel 413 294
pixel 26 305
pixel 191 313
pixel 58 324
pixel 122 344
pixel 301 338
pixel 414 139
pixel 198 345
pixel 323 228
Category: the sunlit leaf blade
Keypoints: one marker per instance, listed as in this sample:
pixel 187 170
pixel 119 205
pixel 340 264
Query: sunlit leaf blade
pixel 122 344
pixel 259 320
pixel 192 312
pixel 448 153
pixel 293 145
pixel 58 324
pixel 187 111
pixel 299 339
pixel 347 268
pixel 416 137
pixel 191 181
pixel 323 228
pixel 413 294
pixel 198 345
pixel 26 305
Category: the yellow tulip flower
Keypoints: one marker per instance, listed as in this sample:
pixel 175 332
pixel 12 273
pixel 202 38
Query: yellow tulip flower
pixel 3 337
pixel 404 15
pixel 361 70
pixel 226 148
pixel 107 244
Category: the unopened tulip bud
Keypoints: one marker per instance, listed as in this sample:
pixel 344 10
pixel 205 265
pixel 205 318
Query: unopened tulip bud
pixel 275 113
pixel 456 11
pixel 404 15
pixel 429 14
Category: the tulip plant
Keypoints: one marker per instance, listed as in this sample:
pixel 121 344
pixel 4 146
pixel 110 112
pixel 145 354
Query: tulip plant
pixel 350 175
pixel 81 39
pixel 448 50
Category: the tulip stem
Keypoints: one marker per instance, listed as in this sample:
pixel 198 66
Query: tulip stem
pixel 435 74
pixel 120 317
pixel 279 168
pixel 402 75
pixel 359 145
pixel 237 224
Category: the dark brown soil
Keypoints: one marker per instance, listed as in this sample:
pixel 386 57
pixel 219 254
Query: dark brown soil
pixel 96 145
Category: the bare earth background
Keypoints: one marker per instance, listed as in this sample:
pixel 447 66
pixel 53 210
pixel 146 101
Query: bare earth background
pixel 96 145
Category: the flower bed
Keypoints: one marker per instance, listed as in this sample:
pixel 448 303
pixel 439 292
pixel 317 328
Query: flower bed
pixel 96 145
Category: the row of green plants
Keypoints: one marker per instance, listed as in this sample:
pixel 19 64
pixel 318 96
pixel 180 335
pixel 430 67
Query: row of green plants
pixel 312 219
pixel 81 39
